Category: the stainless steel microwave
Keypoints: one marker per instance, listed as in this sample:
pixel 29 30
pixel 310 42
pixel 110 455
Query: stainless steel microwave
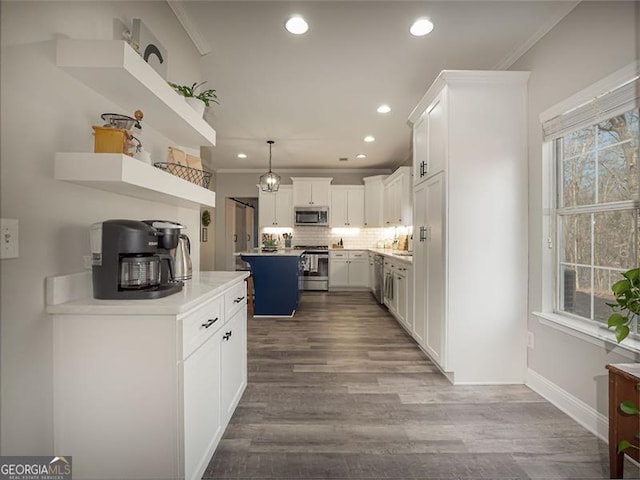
pixel 314 216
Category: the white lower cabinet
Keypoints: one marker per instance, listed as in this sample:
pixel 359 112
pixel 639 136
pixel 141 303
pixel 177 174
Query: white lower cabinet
pixel 202 413
pixel 348 269
pixel 233 362
pixel 141 396
pixel 398 291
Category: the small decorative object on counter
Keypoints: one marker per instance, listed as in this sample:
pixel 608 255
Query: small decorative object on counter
pixel 287 239
pixel 269 243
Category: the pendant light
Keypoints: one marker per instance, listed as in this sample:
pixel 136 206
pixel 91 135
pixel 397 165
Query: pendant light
pixel 270 182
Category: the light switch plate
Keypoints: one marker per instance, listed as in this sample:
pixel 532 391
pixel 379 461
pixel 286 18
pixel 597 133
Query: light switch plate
pixel 8 238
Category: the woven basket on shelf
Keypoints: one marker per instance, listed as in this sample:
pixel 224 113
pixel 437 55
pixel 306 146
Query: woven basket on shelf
pixel 193 175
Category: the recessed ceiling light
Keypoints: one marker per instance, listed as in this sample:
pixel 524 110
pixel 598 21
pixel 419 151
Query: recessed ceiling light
pixel 242 155
pixel 384 108
pixel 421 27
pixel 361 155
pixel 296 25
pixel 369 138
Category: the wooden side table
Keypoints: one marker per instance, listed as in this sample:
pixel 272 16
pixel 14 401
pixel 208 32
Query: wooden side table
pixel 624 379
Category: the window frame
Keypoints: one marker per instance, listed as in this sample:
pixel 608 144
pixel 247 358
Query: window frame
pixel 592 331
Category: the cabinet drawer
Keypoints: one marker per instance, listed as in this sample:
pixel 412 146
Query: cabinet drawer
pixel 235 299
pixel 198 326
pixel 355 254
pixel 334 254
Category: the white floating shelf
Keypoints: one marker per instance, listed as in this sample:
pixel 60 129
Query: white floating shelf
pixel 117 173
pixel 114 69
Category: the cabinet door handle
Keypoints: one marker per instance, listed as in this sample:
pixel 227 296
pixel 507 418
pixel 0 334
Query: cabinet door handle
pixel 423 234
pixel 227 335
pixel 238 299
pixel 210 322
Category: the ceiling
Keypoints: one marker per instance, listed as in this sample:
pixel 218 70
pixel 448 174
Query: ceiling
pixel 316 94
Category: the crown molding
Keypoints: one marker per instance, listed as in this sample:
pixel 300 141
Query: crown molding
pixel 185 20
pixel 523 48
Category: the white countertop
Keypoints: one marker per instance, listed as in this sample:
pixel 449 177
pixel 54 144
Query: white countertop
pixel 395 254
pixel 201 288
pixel 281 252
pixel 400 255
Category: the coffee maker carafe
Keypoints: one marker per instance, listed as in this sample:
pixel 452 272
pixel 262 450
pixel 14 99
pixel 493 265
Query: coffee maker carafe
pixel 126 262
pixel 176 245
pixel 168 239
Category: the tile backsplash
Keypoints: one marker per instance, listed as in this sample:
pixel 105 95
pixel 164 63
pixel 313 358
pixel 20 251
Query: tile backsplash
pixel 351 237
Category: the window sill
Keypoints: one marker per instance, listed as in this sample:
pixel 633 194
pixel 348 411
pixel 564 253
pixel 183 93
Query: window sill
pixel 594 333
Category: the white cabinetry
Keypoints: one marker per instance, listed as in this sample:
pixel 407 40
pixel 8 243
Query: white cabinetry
pixel 308 191
pixel 397 290
pixel 372 270
pixel 202 419
pixel 153 390
pixel 470 228
pixel 275 209
pixel 429 251
pixel 397 198
pixel 374 201
pixel 347 206
pixel 429 140
pixel 348 269
pixel 233 362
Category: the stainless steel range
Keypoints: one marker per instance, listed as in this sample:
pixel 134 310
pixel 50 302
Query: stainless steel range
pixel 315 267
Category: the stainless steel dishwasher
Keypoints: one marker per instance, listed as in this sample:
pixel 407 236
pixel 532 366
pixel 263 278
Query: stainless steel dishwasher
pixel 378 277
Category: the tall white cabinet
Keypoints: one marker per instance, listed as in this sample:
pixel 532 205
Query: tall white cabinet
pixel 470 225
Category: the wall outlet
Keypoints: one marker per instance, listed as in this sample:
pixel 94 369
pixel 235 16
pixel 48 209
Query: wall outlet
pixel 530 340
pixel 8 238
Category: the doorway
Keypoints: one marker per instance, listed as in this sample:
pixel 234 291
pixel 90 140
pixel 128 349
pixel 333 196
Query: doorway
pixel 240 230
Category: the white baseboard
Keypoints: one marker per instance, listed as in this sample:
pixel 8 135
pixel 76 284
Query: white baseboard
pixel 585 415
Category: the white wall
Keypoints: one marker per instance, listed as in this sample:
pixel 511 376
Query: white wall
pixel 244 185
pixel 45 110
pixel 593 41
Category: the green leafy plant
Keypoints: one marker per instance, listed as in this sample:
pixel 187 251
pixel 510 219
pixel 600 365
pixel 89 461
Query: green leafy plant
pixel 627 307
pixel 207 96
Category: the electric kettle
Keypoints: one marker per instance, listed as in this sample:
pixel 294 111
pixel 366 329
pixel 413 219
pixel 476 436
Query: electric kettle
pixel 182 259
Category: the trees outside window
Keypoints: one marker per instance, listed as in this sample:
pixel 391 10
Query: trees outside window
pixel 598 204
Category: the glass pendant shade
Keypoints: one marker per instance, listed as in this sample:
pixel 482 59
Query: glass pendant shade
pixel 270 182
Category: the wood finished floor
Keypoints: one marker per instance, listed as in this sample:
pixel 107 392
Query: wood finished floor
pixel 341 391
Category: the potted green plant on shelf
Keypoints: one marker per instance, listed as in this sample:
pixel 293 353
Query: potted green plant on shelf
pixel 198 100
pixel 626 309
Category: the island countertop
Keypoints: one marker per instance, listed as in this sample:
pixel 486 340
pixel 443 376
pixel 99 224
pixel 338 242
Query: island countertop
pixel 281 252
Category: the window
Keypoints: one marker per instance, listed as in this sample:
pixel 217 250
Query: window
pixel 597 212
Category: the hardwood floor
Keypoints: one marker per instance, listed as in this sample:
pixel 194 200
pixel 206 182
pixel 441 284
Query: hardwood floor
pixel 341 391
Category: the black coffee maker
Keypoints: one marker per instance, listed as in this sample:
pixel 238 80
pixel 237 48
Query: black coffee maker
pixel 127 264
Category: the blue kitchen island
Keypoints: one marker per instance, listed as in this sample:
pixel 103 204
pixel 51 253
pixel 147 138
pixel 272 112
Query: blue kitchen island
pixel 276 281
